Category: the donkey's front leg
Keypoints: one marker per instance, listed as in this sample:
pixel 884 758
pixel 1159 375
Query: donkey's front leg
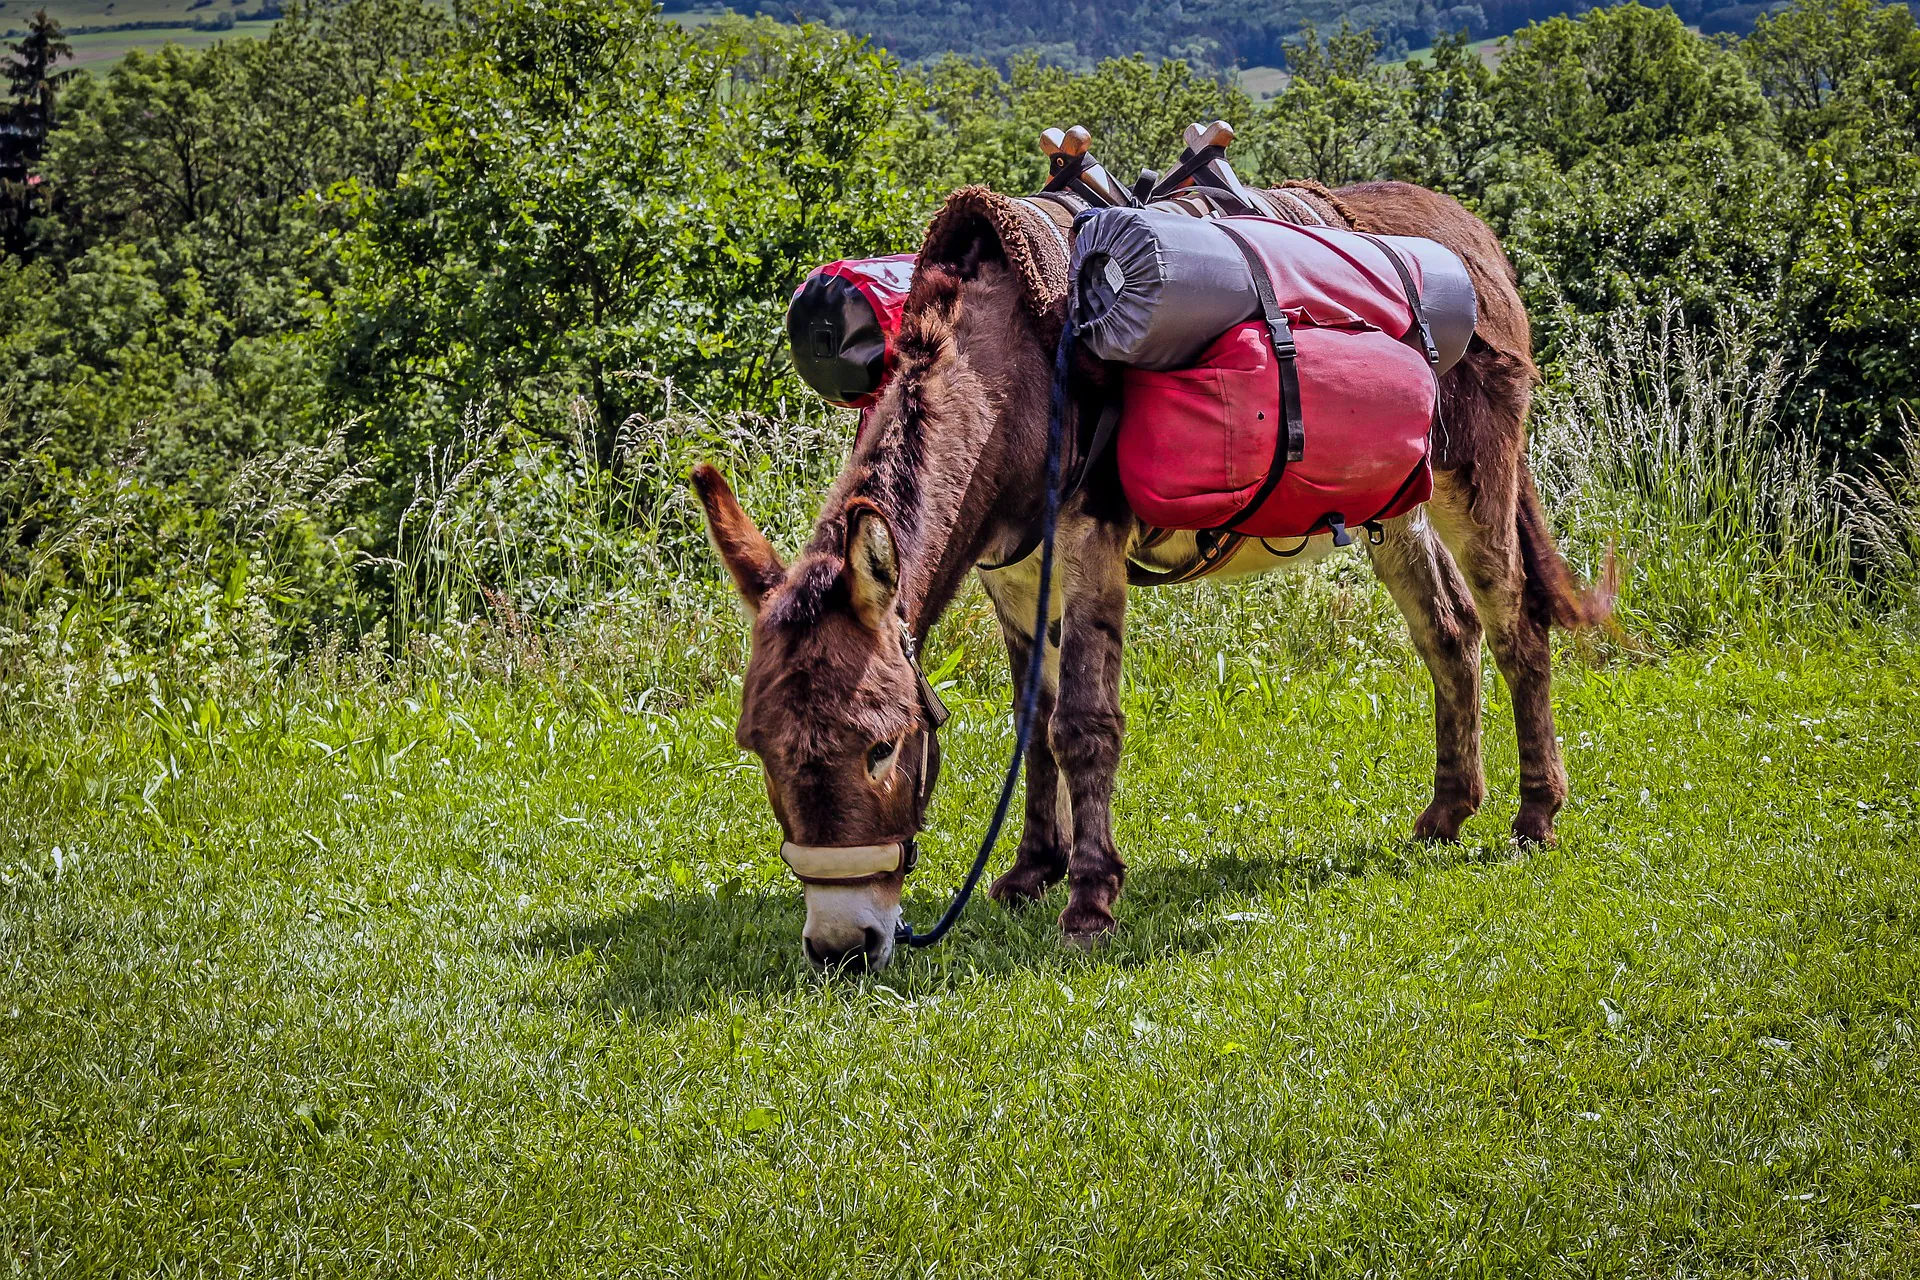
pixel 1087 722
pixel 1042 858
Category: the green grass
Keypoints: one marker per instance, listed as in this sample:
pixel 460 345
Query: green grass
pixel 472 980
pixel 1490 51
pixel 1262 83
pixel 98 50
pixel 102 13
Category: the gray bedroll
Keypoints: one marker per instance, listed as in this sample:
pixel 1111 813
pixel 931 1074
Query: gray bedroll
pixel 1156 287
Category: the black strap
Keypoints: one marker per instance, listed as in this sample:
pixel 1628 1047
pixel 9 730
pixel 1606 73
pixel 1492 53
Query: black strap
pixel 1421 327
pixel 1198 165
pixel 1290 443
pixel 1190 164
pixel 1065 178
pixel 1413 302
pixel 931 704
pixel 1212 548
pixel 1102 437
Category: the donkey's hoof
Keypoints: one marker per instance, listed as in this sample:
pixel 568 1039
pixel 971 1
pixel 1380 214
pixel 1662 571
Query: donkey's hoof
pixel 1440 823
pixel 1534 826
pixel 1085 927
pixel 1022 886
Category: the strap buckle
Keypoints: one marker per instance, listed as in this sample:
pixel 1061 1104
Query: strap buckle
pixel 931 704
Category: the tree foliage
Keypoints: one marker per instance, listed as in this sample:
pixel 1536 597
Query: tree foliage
pixel 602 203
pixel 34 83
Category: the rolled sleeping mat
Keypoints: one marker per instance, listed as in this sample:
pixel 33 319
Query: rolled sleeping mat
pixel 1155 288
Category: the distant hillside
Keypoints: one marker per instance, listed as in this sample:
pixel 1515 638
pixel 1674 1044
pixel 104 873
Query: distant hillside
pixel 1214 33
pixel 1209 33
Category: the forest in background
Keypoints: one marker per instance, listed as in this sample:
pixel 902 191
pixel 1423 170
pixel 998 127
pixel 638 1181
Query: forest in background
pixel 1215 34
pixel 277 316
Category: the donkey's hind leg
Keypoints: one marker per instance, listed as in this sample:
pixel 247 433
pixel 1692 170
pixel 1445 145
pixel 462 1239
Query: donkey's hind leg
pixel 1481 529
pixel 1041 861
pixel 1439 610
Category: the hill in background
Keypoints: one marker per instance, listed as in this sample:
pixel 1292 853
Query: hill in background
pixel 1210 33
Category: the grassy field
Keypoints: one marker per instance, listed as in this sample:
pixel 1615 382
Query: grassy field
pixel 103 13
pixel 99 50
pixel 506 981
pixel 1261 83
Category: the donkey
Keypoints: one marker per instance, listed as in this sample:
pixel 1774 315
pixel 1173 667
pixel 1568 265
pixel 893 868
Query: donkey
pixel 947 477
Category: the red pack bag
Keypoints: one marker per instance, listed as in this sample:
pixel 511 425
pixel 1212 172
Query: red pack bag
pixel 841 325
pixel 1316 417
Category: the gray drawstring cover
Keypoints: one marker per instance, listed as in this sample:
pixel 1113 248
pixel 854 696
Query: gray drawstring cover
pixel 1155 287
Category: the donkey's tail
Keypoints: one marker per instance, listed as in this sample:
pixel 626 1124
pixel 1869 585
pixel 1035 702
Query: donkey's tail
pixel 1554 596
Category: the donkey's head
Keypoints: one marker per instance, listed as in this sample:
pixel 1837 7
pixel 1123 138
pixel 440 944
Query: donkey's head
pixel 831 704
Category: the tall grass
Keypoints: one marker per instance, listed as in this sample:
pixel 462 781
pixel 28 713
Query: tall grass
pixel 109 575
pixel 1667 441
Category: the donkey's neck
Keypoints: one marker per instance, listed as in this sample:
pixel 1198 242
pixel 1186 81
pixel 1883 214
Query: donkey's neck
pixel 954 451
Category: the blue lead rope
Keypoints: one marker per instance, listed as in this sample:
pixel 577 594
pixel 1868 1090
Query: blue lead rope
pixel 1036 660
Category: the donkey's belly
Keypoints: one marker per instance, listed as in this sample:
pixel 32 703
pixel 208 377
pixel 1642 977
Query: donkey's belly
pixel 1255 555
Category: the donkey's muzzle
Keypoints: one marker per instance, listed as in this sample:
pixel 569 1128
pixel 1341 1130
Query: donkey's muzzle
pixel 871 953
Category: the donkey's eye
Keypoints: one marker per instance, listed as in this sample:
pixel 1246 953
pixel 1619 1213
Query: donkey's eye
pixel 880 758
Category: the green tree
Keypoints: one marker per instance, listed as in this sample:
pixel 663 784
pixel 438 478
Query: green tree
pixel 1619 78
pixel 33 88
pixel 976 125
pixel 1136 109
pixel 1341 117
pixel 1805 56
pixel 964 129
pixel 1449 121
pixel 1851 309
pixel 33 84
pixel 602 201
pixel 192 243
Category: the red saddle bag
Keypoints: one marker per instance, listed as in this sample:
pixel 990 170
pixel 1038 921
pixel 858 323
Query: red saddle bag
pixel 1316 417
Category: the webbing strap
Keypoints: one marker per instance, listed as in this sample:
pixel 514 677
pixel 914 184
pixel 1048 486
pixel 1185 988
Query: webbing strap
pixel 1420 324
pixel 1413 299
pixel 1291 440
pixel 1212 549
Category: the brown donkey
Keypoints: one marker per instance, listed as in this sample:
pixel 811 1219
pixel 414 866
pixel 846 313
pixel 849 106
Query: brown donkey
pixel 947 477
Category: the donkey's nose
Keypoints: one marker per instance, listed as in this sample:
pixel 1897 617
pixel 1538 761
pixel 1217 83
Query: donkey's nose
pixel 870 952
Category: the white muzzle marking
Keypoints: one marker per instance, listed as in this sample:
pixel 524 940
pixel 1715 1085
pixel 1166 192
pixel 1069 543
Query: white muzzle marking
pixel 853 899
pixel 849 920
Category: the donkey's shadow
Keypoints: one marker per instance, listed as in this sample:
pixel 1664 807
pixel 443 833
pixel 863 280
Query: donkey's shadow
pixel 684 953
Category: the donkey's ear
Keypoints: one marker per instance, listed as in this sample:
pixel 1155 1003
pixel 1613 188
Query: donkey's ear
pixel 749 557
pixel 873 565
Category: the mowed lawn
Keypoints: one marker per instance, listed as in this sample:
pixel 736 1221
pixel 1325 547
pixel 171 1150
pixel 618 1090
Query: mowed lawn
pixel 508 984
